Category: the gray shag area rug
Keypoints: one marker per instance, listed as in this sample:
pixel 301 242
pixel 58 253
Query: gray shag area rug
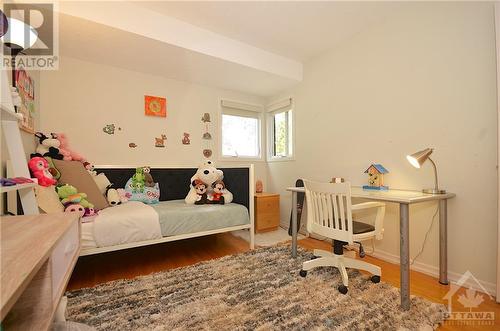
pixel 256 290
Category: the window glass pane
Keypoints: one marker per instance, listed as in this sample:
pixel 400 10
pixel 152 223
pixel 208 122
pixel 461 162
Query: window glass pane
pixel 280 134
pixel 240 136
pixel 290 130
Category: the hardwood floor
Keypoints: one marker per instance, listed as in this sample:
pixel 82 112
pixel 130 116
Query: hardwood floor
pixel 96 269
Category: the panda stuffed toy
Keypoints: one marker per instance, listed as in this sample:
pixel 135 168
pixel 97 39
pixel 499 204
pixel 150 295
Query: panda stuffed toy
pixel 208 174
pixel 48 145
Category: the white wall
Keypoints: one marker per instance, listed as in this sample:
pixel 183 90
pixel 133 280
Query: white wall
pixel 82 97
pixel 423 78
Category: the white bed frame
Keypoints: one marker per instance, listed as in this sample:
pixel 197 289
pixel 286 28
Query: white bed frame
pixel 250 227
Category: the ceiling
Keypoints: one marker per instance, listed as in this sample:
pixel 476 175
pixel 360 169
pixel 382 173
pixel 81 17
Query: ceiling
pixel 90 41
pixel 299 30
pixel 253 47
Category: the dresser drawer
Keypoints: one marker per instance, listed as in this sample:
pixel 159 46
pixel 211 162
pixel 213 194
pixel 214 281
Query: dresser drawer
pixel 63 257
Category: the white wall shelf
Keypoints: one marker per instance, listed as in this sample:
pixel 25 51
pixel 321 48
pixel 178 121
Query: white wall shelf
pixel 5 189
pixel 15 148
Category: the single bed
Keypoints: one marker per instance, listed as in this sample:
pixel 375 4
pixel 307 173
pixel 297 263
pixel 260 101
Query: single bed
pixel 178 220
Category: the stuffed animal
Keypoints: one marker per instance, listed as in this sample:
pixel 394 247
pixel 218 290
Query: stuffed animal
pixel 218 192
pixel 74 207
pixel 138 180
pixel 90 168
pixel 70 154
pixel 148 179
pixel 65 153
pixel 208 174
pixel 47 146
pixel 39 168
pixel 113 197
pixel 90 212
pixel 124 195
pixel 201 192
pixel 68 193
pixel 52 168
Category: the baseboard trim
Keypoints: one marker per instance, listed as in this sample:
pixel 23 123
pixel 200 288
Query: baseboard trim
pixel 434 271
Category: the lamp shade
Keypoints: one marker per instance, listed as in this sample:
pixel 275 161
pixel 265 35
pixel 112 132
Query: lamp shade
pixel 19 35
pixel 4 24
pixel 418 158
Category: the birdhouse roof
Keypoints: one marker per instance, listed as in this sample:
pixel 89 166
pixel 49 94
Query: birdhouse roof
pixel 380 168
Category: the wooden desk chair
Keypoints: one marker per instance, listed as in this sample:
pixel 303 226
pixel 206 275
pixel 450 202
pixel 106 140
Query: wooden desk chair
pixel 329 214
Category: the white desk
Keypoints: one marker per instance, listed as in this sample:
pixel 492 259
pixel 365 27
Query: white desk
pixel 404 198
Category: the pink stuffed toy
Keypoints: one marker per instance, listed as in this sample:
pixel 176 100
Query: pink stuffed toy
pixel 64 149
pixel 75 207
pixel 40 169
pixel 124 195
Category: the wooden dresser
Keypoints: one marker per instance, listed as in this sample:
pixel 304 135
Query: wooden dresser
pixel 267 212
pixel 38 254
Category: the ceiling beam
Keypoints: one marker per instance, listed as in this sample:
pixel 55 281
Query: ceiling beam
pixel 150 24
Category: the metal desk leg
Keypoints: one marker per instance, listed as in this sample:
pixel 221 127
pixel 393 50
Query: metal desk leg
pixel 404 254
pixel 443 242
pixel 294 224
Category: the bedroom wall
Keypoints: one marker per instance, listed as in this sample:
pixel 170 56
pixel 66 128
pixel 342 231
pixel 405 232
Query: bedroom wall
pixel 423 78
pixel 95 95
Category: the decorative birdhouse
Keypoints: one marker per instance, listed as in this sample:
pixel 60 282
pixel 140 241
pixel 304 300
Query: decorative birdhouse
pixel 376 177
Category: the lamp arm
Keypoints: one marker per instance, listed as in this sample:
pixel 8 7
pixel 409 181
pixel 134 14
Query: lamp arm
pixel 435 174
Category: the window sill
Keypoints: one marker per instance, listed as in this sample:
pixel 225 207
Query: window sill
pixel 240 159
pixel 280 159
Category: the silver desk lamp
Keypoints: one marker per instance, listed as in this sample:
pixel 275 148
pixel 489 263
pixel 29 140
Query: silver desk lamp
pixel 417 159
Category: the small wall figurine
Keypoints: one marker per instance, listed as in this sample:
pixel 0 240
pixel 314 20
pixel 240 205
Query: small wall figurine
pixel 376 178
pixel 207 153
pixel 185 139
pixel 206 118
pixel 160 142
pixel 109 129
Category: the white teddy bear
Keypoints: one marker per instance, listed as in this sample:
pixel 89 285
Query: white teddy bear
pixel 208 174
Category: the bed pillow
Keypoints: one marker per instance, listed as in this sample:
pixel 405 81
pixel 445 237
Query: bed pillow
pixel 149 195
pixel 74 173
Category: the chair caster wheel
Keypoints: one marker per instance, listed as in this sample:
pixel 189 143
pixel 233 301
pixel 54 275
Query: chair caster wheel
pixel 303 273
pixel 375 279
pixel 342 289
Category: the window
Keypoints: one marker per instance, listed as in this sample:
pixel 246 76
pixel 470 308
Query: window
pixel 240 130
pixel 280 131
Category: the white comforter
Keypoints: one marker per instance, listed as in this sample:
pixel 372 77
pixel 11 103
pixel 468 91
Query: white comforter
pixel 126 223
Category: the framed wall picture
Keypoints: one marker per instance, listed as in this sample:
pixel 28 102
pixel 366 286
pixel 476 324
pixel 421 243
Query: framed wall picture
pixel 155 106
pixel 26 89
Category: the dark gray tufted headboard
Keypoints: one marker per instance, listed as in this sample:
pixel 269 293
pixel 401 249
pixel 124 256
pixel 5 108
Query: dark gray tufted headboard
pixel 174 182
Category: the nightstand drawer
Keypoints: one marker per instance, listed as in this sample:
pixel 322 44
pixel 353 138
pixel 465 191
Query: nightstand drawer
pixel 268 220
pixel 267 212
pixel 267 204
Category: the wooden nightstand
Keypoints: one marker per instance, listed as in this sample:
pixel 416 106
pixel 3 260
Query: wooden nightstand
pixel 267 211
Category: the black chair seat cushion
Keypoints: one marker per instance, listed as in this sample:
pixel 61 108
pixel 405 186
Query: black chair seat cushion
pixel 360 227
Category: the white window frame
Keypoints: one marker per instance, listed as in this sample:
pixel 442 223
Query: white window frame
pixel 230 107
pixel 273 109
